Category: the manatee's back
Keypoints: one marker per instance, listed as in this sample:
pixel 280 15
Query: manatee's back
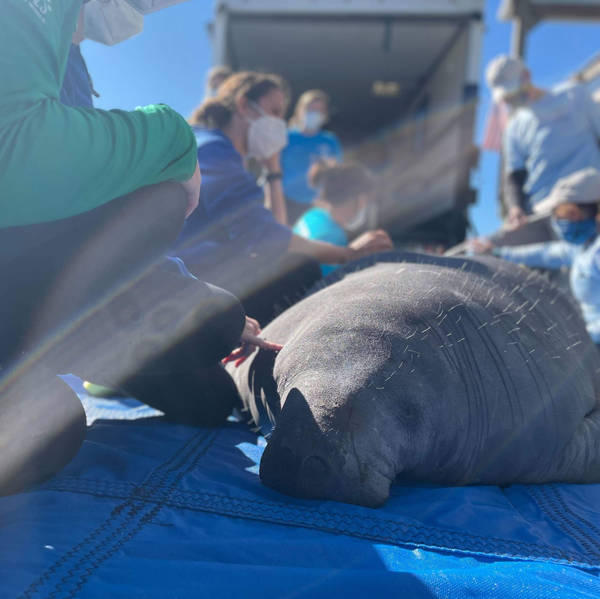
pixel 491 333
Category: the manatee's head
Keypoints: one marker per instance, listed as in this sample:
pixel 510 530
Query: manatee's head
pixel 353 388
pixel 337 436
pixel 335 458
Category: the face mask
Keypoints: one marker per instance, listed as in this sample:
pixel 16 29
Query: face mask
pixel 518 100
pixel 359 220
pixel 313 120
pixel 576 232
pixel 267 135
pixel 148 6
pixel 111 21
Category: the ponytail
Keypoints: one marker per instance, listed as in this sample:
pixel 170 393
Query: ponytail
pixel 216 113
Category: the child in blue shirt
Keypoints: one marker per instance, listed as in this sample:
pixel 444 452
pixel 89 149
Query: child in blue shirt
pixel 344 191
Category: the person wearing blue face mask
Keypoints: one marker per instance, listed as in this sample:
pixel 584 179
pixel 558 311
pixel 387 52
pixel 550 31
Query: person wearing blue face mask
pixel 308 143
pixel 573 203
pixel 344 192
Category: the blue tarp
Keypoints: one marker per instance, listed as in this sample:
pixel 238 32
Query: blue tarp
pixel 151 509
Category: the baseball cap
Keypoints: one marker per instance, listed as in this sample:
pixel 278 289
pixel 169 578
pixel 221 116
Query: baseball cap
pixel 504 75
pixel 581 187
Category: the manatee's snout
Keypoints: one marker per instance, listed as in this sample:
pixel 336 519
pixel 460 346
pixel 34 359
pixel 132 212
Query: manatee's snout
pixel 298 458
pixel 295 474
pixel 302 460
pixel 303 473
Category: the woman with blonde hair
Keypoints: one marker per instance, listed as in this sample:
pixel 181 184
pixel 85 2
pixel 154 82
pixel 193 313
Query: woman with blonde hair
pixel 237 238
pixel 308 142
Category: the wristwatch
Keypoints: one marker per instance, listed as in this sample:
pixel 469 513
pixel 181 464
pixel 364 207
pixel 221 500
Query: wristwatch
pixel 273 176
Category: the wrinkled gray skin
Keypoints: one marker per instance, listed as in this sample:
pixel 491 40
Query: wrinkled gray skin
pixel 444 370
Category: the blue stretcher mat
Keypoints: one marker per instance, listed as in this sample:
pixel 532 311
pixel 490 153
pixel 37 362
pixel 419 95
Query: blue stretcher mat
pixel 151 509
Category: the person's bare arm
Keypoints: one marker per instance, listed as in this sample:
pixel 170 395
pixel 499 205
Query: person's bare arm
pixel 370 242
pixel 323 252
pixel 515 198
pixel 192 189
pixel 274 198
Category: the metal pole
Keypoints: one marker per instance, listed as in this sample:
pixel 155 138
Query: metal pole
pixel 524 21
pixel 519 34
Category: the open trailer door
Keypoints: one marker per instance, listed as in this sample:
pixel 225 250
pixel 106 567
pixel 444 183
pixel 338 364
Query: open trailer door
pixel 402 76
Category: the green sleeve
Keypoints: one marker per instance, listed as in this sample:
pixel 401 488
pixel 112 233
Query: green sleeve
pixel 58 161
pixel 65 161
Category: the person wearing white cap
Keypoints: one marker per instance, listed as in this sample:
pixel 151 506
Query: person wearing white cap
pixel 573 204
pixel 550 135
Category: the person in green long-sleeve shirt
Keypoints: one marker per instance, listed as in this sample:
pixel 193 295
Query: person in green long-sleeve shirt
pixel 102 154
pixel 90 201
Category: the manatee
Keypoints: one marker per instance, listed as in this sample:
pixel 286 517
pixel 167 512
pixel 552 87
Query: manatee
pixel 451 371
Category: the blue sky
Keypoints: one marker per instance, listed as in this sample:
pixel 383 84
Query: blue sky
pixel 167 63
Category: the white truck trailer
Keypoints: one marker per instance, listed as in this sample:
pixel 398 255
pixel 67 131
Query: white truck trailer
pixel 403 79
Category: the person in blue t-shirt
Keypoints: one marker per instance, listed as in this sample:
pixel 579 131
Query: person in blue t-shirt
pixel 307 144
pixel 573 203
pixel 344 192
pixel 237 238
pixel 550 135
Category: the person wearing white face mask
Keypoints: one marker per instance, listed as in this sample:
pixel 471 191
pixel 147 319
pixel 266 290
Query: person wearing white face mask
pixel 308 143
pixel 344 193
pixel 237 238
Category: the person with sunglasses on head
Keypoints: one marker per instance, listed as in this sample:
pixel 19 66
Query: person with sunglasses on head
pixel 550 134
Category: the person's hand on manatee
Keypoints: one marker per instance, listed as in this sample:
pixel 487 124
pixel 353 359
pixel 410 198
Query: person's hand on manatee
pixel 250 341
pixel 371 242
pixel 480 245
pixel 515 218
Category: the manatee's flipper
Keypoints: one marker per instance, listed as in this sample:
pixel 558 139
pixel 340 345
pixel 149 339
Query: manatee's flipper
pixel 580 460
